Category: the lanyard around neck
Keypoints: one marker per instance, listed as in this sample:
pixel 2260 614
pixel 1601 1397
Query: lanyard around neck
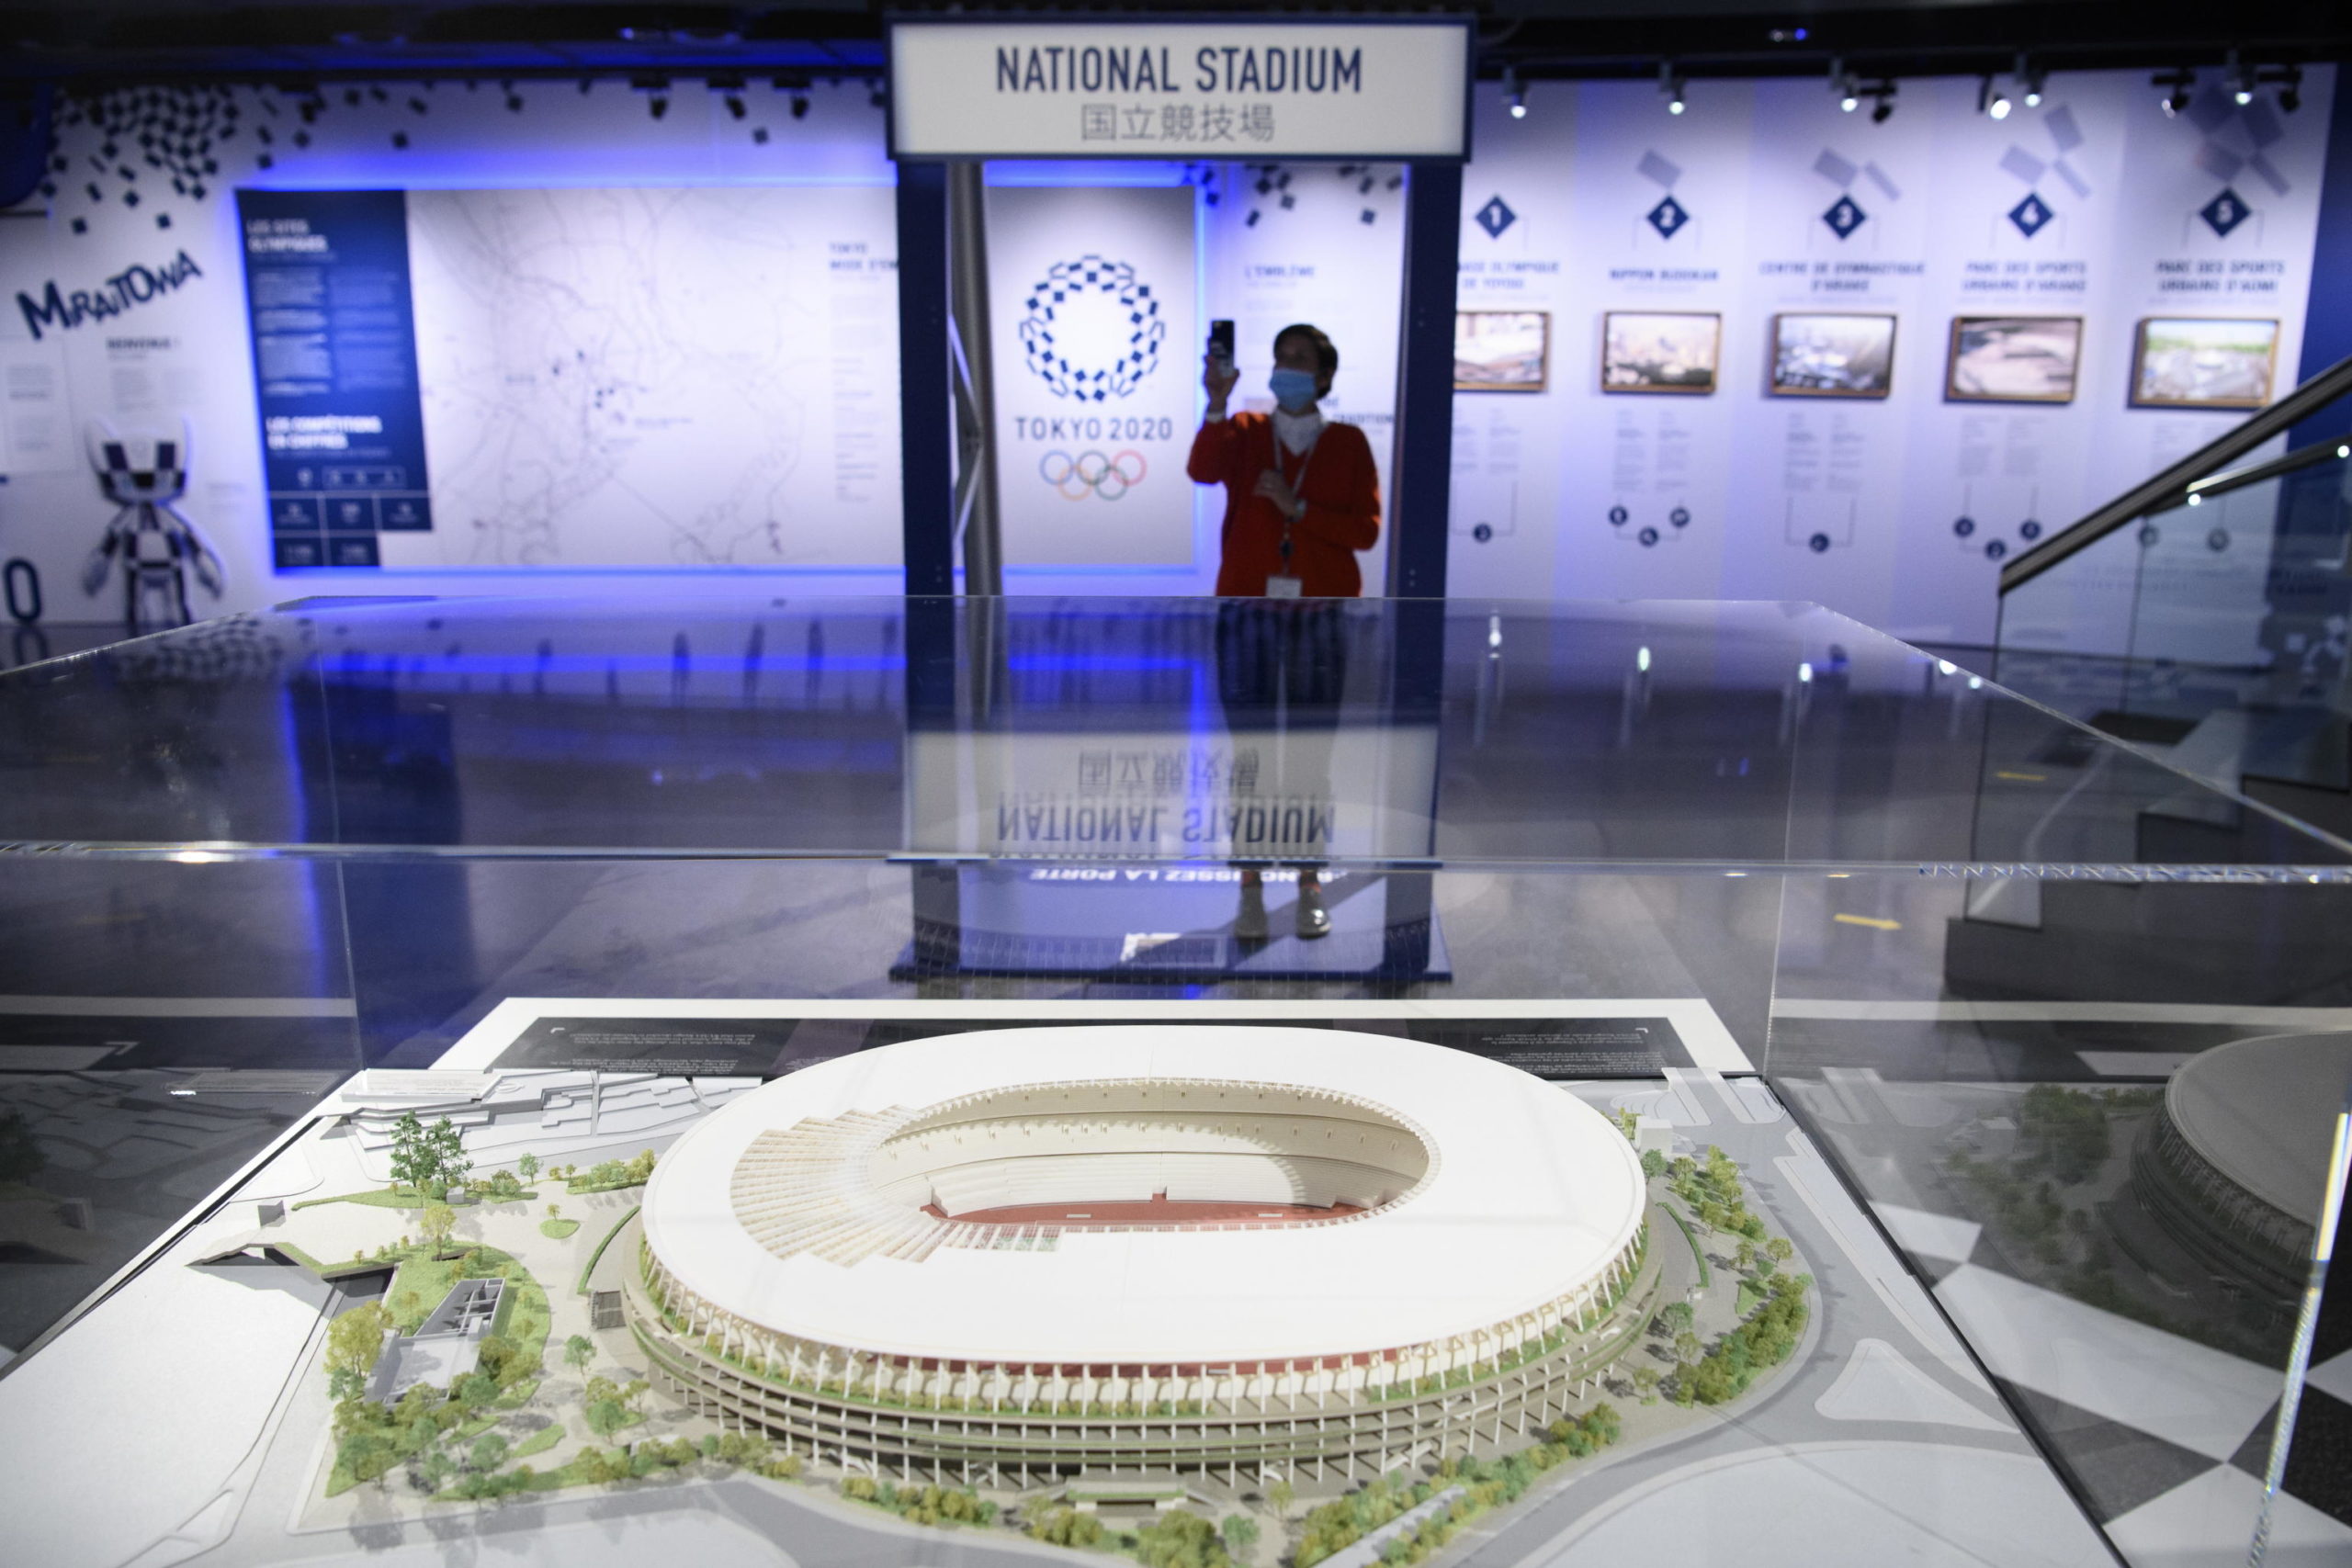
pixel 1299 485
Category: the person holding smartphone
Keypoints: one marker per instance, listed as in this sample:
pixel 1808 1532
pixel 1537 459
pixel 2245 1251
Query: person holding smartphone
pixel 1302 498
pixel 1301 495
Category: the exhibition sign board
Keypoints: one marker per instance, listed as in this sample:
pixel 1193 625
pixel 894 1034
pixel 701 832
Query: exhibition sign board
pixel 585 377
pixel 1234 89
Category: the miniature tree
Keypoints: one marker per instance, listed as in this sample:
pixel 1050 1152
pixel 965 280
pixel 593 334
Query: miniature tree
pixel 1675 1316
pixel 1687 1349
pixel 1779 1250
pixel 578 1351
pixel 1240 1532
pixel 450 1162
pixel 414 1165
pixel 1280 1494
pixel 1743 1257
pixel 489 1451
pixel 438 1220
pixel 354 1340
pixel 527 1166
pixel 1653 1164
pixel 434 1469
pixel 606 1416
pixel 1646 1381
pixel 555 1212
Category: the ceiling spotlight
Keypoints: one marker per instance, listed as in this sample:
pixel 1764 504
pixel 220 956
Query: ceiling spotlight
pixel 799 105
pixel 1885 108
pixel 735 106
pixel 2290 87
pixel 1842 83
pixel 658 106
pixel 878 98
pixel 2034 79
pixel 1514 94
pixel 1670 85
pixel 2241 81
pixel 2176 84
pixel 1991 102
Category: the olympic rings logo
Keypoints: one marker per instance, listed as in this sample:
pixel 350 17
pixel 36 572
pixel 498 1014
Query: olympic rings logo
pixel 1091 473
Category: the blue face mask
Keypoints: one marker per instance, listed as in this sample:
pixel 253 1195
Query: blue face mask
pixel 1293 390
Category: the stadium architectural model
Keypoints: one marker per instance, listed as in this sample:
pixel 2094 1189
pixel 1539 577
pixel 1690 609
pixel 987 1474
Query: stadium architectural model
pixel 1199 1295
pixel 1189 1250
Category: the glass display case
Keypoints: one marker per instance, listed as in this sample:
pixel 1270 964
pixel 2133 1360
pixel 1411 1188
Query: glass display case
pixel 1964 1085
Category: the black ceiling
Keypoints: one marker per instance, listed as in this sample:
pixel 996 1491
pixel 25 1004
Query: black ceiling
pixel 114 41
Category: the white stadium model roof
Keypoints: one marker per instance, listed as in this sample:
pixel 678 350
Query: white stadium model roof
pixel 823 1205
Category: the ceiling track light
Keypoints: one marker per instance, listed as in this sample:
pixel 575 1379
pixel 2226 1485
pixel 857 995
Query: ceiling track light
pixel 2033 78
pixel 1842 83
pixel 1991 102
pixel 1513 93
pixel 1670 85
pixel 2176 86
pixel 2240 78
pixel 1883 91
pixel 2290 81
pixel 657 103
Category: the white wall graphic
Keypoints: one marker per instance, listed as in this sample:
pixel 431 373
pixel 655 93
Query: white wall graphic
pixel 1096 333
pixel 1765 200
pixel 816 421
pixel 679 375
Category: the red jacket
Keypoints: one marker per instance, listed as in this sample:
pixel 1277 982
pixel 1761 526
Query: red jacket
pixel 1342 494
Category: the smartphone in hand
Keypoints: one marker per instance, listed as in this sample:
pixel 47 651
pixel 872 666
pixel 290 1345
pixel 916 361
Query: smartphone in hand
pixel 1221 346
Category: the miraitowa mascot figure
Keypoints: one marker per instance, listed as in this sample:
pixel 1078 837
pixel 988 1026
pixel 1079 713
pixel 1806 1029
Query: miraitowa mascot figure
pixel 144 472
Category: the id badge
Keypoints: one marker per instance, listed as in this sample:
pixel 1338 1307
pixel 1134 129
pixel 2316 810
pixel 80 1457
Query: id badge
pixel 1281 587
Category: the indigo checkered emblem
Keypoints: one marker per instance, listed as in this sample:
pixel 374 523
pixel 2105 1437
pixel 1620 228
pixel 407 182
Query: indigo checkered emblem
pixel 1072 280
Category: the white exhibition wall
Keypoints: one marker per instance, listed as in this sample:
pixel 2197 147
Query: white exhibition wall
pixel 1857 502
pixel 744 413
pixel 721 292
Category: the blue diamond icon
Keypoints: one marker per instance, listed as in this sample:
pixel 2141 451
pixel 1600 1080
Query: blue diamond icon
pixel 2030 215
pixel 1496 217
pixel 1845 215
pixel 1667 217
pixel 2224 212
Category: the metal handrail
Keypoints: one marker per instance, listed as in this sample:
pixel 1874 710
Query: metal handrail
pixel 2335 448
pixel 2173 486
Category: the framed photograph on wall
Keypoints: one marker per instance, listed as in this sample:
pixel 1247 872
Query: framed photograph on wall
pixel 1832 356
pixel 2202 362
pixel 1661 351
pixel 1503 351
pixel 2013 359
